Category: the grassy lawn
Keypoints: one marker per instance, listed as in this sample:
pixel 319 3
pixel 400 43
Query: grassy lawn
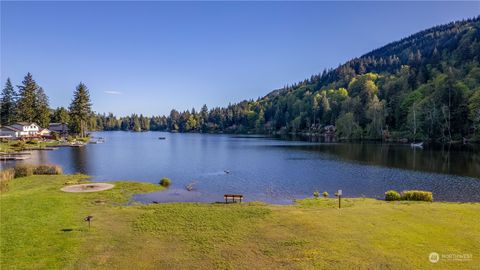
pixel 11 146
pixel 43 228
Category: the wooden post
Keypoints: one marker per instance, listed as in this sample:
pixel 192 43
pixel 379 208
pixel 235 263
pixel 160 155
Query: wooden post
pixel 339 193
pixel 89 219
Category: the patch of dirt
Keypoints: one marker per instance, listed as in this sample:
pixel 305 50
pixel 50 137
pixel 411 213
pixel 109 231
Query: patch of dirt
pixel 90 187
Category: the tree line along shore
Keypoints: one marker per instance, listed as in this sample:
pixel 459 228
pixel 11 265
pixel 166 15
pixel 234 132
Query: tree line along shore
pixel 423 87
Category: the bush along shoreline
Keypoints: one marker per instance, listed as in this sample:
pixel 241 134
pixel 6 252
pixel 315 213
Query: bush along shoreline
pixel 25 170
pixel 409 195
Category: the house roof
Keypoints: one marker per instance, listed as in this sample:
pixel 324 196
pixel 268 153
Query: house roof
pixel 24 123
pixel 58 127
pixel 10 128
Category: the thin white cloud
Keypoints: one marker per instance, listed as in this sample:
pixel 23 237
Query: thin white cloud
pixel 113 92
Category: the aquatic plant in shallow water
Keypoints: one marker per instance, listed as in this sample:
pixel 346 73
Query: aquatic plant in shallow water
pixel 165 182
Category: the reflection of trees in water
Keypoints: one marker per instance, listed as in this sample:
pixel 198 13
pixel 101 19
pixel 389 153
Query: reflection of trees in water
pixel 42 157
pixel 79 159
pixel 449 159
pixel 445 157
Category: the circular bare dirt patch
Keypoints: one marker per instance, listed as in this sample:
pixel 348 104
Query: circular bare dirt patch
pixel 90 187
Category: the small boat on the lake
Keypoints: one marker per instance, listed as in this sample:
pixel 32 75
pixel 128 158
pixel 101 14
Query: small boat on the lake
pixel 227 171
pixel 417 145
pixel 77 144
pixel 190 186
pixel 97 140
pixel 161 138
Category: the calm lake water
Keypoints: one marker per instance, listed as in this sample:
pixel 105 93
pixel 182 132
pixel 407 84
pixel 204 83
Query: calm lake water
pixel 270 170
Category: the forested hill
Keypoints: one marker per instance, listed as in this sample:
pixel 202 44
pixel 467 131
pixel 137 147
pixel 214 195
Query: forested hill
pixel 425 86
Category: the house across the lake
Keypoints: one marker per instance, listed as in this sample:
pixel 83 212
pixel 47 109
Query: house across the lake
pixel 329 133
pixel 23 130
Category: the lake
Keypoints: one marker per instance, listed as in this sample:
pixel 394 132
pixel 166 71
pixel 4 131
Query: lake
pixel 268 169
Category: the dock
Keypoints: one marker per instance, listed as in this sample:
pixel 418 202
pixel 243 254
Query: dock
pixel 77 145
pixel 70 145
pixel 43 148
pixel 14 157
pixel 15 153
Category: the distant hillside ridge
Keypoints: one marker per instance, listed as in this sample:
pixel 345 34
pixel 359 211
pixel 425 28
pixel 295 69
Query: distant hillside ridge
pixel 423 87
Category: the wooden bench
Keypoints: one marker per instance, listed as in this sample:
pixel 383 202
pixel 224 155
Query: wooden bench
pixel 232 197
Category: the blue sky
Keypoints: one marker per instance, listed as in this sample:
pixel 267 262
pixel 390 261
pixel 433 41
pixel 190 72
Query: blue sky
pixel 150 57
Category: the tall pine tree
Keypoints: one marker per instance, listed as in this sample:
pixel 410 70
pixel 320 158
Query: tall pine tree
pixel 80 110
pixel 61 115
pixel 27 99
pixel 42 111
pixel 7 104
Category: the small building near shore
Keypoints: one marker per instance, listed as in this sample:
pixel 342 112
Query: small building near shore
pixel 59 128
pixel 329 133
pixel 44 132
pixel 9 132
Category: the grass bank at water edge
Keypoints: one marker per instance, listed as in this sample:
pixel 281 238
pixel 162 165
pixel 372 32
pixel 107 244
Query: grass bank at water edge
pixel 43 228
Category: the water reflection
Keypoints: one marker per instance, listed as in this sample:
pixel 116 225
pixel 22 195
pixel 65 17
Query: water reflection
pixel 451 159
pixel 269 169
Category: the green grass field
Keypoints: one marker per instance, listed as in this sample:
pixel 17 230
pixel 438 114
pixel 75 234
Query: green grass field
pixel 11 146
pixel 43 228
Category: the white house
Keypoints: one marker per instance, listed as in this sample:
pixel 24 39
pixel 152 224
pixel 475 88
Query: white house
pixel 20 129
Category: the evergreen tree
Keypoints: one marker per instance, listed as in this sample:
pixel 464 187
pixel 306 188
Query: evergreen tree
pixel 7 104
pixel 80 110
pixel 61 115
pixel 27 99
pixel 42 111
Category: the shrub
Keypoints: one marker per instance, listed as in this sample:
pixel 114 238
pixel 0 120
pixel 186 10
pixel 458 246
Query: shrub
pixel 165 182
pixel 24 170
pixel 48 169
pixel 19 144
pixel 417 195
pixel 32 141
pixel 316 194
pixel 5 177
pixel 28 170
pixel 392 195
pixel 325 194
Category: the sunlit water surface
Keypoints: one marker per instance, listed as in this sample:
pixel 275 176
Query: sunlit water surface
pixel 270 170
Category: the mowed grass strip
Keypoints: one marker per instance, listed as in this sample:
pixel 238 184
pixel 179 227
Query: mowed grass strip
pixel 43 228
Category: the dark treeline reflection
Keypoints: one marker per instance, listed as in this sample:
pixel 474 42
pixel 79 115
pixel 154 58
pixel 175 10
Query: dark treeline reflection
pixel 439 158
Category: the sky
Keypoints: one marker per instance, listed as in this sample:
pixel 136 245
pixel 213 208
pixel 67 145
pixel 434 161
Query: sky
pixel 150 57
